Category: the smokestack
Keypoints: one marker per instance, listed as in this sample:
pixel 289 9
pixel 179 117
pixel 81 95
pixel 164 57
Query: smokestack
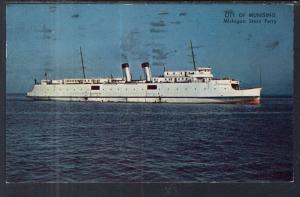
pixel 126 72
pixel 147 71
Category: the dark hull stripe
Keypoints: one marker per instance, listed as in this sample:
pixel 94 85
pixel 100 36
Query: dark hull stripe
pixel 218 97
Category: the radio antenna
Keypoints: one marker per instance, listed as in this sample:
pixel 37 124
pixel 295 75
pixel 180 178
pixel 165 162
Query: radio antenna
pixel 83 71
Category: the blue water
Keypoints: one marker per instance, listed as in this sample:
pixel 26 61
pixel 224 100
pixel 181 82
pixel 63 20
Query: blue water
pixel 118 142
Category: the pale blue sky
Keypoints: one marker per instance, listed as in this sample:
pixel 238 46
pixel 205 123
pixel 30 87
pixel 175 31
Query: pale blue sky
pixel 47 37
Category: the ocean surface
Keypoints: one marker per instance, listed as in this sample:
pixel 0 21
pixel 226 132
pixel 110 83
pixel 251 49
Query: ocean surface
pixel 92 142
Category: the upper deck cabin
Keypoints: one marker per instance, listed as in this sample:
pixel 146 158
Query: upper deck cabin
pixel 83 81
pixel 201 72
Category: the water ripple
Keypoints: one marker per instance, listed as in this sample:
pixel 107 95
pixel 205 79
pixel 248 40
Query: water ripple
pixel 112 142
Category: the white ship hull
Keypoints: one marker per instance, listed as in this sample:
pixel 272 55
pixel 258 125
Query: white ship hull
pixel 227 100
pixel 214 91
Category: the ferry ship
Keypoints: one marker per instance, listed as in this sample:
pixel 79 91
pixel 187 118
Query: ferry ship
pixel 185 86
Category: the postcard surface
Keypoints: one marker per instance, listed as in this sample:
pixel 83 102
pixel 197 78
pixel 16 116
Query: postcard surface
pixel 149 93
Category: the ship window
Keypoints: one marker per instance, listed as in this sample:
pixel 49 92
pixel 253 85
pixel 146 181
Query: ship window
pixel 95 87
pixel 235 86
pixel 151 87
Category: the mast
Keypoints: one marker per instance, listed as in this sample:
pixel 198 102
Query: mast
pixel 193 55
pixel 259 75
pixel 83 71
